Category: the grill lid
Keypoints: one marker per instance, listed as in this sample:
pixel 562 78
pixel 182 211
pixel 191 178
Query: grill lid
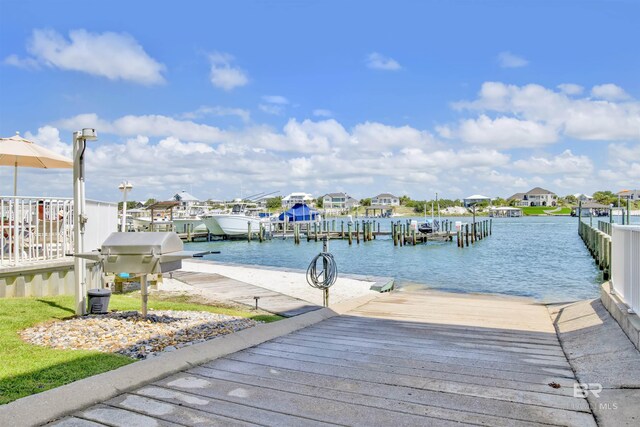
pixel 156 243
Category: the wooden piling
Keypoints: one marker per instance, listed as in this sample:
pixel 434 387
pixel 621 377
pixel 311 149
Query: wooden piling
pixel 249 231
pixel 358 232
pixel 350 235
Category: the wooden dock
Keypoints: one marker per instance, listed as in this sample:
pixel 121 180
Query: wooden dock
pixel 408 359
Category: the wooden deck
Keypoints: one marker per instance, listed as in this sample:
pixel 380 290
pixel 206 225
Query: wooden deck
pixel 403 359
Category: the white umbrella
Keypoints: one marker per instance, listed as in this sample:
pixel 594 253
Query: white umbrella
pixel 16 151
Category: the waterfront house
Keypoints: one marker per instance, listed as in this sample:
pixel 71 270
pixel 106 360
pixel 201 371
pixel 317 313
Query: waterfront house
pixel 582 197
pixel 186 200
pixel 385 199
pixel 295 198
pixel 475 199
pixel 338 202
pixel 632 195
pixel 535 197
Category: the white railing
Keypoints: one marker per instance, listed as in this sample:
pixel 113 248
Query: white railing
pixel 625 264
pixel 39 229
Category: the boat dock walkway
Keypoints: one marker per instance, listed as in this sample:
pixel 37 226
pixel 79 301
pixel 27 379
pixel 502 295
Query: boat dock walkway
pixel 405 358
pixel 226 289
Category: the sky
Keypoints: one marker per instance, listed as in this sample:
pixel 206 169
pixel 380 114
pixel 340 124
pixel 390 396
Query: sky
pixel 229 99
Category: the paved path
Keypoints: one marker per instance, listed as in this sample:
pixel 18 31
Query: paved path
pixel 223 288
pixel 402 359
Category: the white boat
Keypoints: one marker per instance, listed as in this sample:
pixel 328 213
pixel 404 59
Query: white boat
pixel 234 223
pixel 143 223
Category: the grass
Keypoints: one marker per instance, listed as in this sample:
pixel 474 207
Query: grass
pixel 27 369
pixel 544 210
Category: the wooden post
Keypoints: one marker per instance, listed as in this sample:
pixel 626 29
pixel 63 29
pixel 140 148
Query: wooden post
pixel 249 231
pixel 342 229
pixel 490 226
pixel 315 229
pixel 350 235
pixel 414 236
pixel 394 235
pixel 358 232
pixel 628 211
pixel 466 234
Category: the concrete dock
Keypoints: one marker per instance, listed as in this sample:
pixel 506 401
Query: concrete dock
pixel 405 358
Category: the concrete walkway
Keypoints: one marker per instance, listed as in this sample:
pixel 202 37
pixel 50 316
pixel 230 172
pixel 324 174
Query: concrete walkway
pixel 408 358
pixel 225 289
pixel 605 361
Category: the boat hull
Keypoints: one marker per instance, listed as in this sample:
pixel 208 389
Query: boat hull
pixel 237 225
pixel 212 225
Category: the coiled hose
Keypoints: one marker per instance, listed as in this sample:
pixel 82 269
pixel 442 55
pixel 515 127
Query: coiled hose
pixel 317 278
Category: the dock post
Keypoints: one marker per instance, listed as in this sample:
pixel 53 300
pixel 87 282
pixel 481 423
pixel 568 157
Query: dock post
pixel 414 236
pixel 249 231
pixel 357 232
pixel 466 234
pixel 315 229
pixel 490 226
pixel 350 235
pixel 393 233
pixel 342 229
pixel 260 235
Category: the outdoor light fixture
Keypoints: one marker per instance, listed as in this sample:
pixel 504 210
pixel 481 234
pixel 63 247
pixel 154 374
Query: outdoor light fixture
pixel 125 186
pixel 80 139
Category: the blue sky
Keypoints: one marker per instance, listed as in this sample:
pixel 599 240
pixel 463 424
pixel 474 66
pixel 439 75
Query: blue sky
pixel 410 97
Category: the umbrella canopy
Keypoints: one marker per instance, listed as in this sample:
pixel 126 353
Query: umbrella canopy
pixel 16 151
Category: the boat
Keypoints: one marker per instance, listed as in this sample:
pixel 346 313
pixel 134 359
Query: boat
pixel 233 224
pixel 429 226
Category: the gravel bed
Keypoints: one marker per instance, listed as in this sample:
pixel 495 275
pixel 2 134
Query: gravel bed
pixel 127 333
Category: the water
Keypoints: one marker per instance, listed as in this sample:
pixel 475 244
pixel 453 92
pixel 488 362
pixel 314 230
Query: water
pixel 539 257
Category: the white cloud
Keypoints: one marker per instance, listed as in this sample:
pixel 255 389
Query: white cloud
pixel 581 118
pixel 570 88
pixel 149 125
pixel 320 112
pixel 273 109
pixel 565 163
pixel 223 74
pixel 509 60
pixel 378 61
pixel 217 110
pixel 112 55
pixel 275 99
pixel 26 63
pixel 505 132
pixel 610 92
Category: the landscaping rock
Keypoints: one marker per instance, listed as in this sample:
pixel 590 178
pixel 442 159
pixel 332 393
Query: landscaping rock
pixel 130 334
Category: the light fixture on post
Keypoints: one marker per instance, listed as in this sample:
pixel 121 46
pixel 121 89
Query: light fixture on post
pixel 80 139
pixel 125 186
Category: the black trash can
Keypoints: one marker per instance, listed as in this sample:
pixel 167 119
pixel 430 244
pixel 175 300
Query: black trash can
pixel 98 300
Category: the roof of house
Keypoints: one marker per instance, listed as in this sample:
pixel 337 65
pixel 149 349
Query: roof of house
pixel 477 197
pixel 386 195
pixel 336 195
pixel 539 190
pixel 517 196
pixel 592 205
pixel 183 196
pixel 303 195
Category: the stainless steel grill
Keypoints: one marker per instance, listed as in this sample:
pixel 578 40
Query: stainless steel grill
pixel 141 254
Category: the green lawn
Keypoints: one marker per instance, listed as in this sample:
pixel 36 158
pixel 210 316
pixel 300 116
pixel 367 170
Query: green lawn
pixel 544 210
pixel 27 369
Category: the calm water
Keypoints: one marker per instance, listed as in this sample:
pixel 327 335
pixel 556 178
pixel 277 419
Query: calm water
pixel 540 257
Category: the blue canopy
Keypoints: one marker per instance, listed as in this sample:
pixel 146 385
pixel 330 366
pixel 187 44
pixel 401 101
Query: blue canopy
pixel 299 212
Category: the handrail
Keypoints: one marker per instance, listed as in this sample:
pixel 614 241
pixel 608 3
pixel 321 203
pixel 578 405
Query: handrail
pixel 625 264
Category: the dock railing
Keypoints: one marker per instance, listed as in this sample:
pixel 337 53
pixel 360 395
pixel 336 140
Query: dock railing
pixel 605 227
pixel 599 244
pixel 40 229
pixel 625 264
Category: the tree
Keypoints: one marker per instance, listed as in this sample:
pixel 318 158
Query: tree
pixel 605 197
pixel 274 202
pixel 130 205
pixel 320 201
pixel 571 199
pixel 365 202
pixel 405 201
pixel 149 202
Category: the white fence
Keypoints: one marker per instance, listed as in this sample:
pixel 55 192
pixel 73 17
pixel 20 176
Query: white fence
pixel 38 229
pixel 625 264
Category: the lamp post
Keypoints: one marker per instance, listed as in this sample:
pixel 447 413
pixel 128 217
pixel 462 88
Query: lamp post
pixel 125 186
pixel 80 139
